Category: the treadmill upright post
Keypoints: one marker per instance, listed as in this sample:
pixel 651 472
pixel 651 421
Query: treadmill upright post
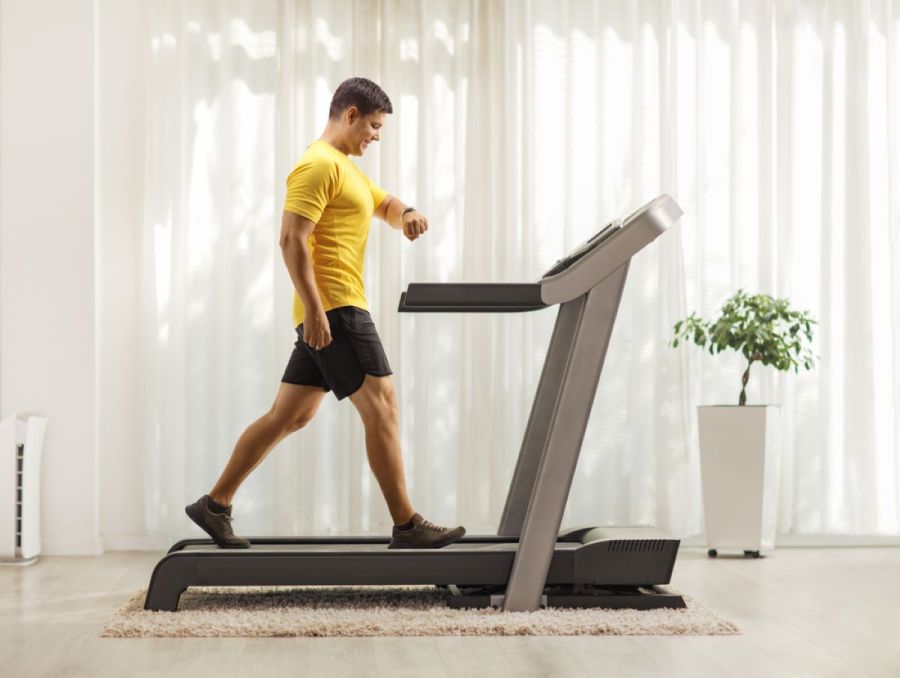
pixel 545 397
pixel 587 322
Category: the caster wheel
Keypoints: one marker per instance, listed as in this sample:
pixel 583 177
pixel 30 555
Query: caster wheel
pixel 712 553
pixel 751 554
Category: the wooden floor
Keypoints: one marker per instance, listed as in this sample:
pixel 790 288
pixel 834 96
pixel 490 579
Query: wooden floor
pixel 803 611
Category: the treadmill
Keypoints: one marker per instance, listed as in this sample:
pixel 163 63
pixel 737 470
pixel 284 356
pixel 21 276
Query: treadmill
pixel 529 563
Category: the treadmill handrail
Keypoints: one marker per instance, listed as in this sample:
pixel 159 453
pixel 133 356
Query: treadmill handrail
pixel 471 297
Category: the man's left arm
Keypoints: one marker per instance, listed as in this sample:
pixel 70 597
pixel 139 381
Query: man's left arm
pixel 413 224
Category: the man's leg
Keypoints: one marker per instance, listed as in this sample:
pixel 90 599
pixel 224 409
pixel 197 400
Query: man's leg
pixel 376 402
pixel 294 407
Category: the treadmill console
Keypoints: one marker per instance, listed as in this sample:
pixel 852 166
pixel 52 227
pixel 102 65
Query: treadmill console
pixel 595 241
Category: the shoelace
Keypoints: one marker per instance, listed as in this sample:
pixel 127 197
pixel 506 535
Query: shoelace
pixel 431 526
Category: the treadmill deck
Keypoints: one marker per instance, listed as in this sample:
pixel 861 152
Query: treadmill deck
pixel 598 556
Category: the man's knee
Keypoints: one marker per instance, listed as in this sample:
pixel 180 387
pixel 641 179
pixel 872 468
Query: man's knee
pixel 376 400
pixel 295 406
pixel 291 422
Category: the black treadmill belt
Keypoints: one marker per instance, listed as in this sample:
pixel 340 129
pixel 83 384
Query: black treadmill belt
pixel 369 549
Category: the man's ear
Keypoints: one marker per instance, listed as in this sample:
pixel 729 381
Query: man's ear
pixel 352 114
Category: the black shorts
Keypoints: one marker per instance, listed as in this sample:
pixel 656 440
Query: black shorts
pixel 355 351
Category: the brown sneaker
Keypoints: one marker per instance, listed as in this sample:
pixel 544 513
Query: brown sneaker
pixel 216 525
pixel 424 535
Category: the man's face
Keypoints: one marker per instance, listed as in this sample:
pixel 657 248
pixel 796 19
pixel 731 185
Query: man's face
pixel 364 130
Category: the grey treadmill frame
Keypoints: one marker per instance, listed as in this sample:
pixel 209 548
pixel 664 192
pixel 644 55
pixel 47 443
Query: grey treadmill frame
pixel 556 426
pixel 564 397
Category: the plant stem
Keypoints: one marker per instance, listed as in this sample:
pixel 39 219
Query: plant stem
pixel 746 378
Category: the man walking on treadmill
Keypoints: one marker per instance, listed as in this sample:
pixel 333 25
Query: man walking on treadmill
pixel 324 228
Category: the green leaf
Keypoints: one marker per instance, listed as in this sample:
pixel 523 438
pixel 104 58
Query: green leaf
pixel 757 326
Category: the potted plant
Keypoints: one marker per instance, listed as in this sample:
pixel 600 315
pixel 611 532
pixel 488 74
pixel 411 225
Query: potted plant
pixel 739 452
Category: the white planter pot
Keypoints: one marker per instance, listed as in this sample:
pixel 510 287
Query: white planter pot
pixel 740 467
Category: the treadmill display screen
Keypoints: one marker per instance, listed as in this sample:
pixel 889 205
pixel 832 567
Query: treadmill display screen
pixel 596 240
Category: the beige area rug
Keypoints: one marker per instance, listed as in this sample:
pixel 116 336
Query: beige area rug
pixel 386 611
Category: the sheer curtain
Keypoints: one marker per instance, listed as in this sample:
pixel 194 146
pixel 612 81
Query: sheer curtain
pixel 519 128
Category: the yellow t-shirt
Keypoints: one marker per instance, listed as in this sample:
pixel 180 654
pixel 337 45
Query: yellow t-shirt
pixel 329 190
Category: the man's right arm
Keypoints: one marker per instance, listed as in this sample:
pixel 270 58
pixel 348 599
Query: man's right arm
pixel 295 232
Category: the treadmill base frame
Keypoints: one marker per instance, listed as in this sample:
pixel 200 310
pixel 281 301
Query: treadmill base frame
pixel 576 595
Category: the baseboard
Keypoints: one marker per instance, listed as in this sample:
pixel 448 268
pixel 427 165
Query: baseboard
pixel 137 542
pixel 127 542
pixel 812 541
pixel 51 546
pixel 109 542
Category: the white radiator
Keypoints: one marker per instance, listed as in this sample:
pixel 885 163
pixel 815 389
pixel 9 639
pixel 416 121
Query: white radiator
pixel 21 441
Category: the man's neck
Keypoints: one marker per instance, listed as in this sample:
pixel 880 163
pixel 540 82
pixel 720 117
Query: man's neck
pixel 333 137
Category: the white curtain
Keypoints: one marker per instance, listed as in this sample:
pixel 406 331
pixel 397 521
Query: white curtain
pixel 519 129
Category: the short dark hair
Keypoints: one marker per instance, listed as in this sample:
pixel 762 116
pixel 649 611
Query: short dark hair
pixel 362 93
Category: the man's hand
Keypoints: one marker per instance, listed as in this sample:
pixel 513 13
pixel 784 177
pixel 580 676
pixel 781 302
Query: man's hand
pixel 414 225
pixel 317 331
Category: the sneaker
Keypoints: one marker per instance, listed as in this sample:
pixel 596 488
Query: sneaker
pixel 424 535
pixel 216 525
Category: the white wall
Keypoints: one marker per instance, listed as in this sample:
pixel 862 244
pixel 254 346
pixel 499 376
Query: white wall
pixel 47 209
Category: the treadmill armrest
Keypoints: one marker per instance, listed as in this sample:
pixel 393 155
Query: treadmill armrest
pixel 471 297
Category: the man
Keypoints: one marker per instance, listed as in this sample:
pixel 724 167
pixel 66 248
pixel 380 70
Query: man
pixel 325 225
